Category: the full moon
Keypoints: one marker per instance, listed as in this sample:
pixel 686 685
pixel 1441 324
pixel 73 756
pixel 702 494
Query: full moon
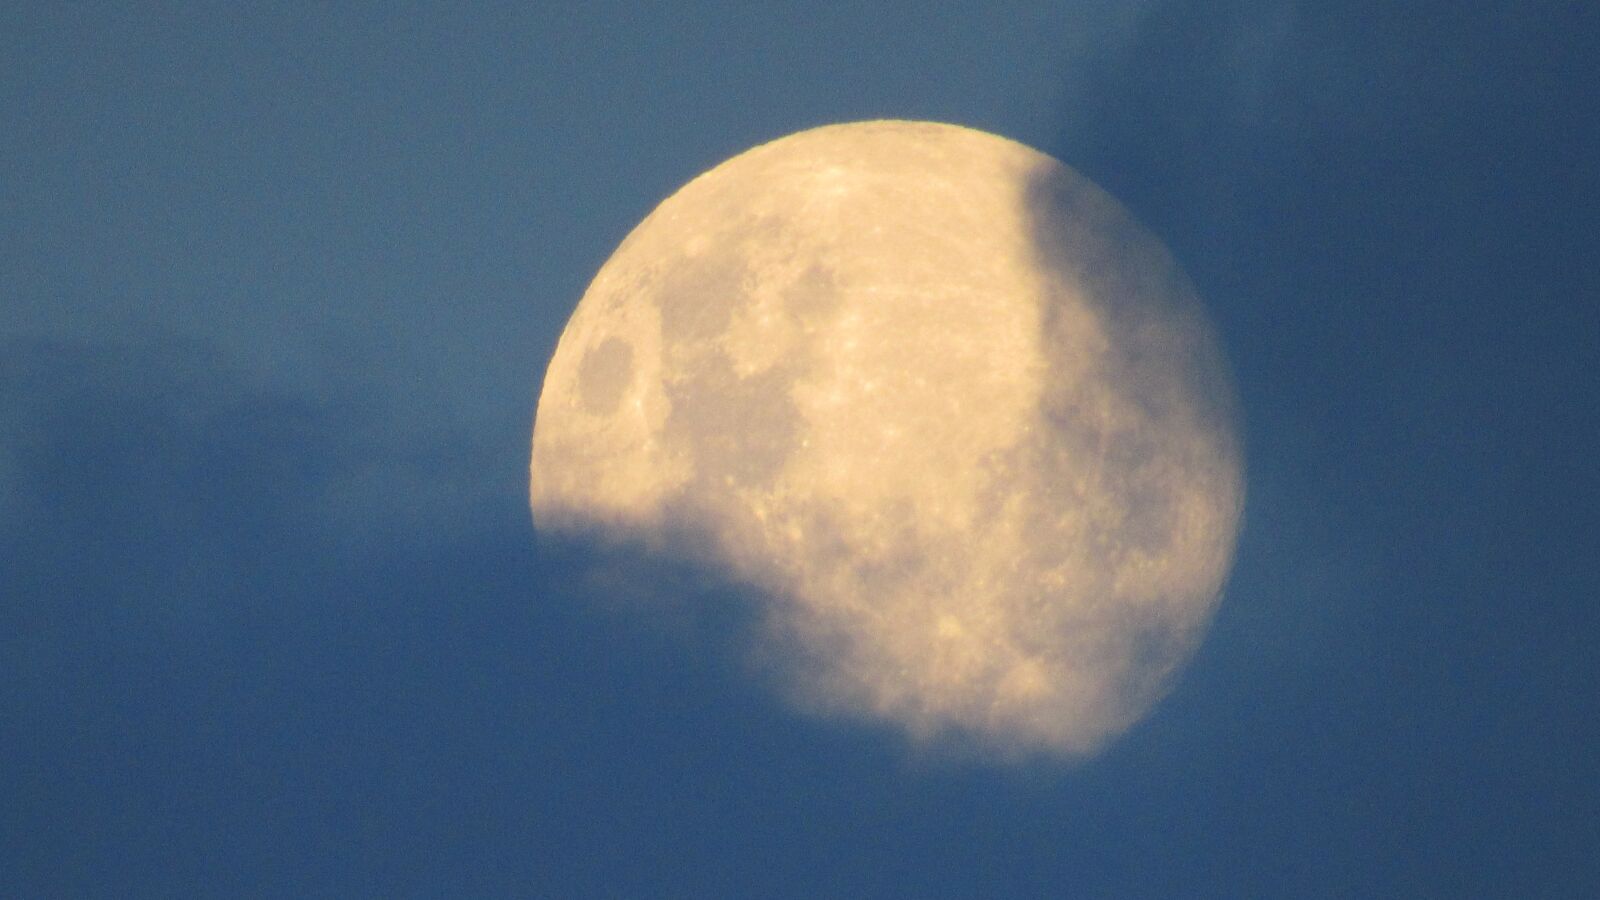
pixel 957 420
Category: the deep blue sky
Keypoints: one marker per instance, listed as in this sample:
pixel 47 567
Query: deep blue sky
pixel 277 290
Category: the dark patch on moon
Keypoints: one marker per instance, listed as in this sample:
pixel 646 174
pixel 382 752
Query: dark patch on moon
pixel 739 430
pixel 813 298
pixel 698 296
pixel 604 375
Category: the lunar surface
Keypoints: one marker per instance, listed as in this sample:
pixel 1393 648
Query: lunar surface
pixel 956 419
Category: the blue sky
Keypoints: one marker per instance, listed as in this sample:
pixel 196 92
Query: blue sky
pixel 276 296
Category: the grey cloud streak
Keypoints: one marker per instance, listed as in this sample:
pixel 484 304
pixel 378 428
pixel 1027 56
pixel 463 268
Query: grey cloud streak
pixel 154 487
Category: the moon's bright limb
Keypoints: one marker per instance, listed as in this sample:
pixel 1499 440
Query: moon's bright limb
pixel 956 415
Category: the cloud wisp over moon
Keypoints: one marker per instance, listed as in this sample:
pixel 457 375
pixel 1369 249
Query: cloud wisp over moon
pixel 955 418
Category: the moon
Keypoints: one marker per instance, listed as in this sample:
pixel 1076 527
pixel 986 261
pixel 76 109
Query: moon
pixel 958 419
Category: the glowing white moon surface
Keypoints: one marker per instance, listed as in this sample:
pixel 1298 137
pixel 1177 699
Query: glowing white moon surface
pixel 957 417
